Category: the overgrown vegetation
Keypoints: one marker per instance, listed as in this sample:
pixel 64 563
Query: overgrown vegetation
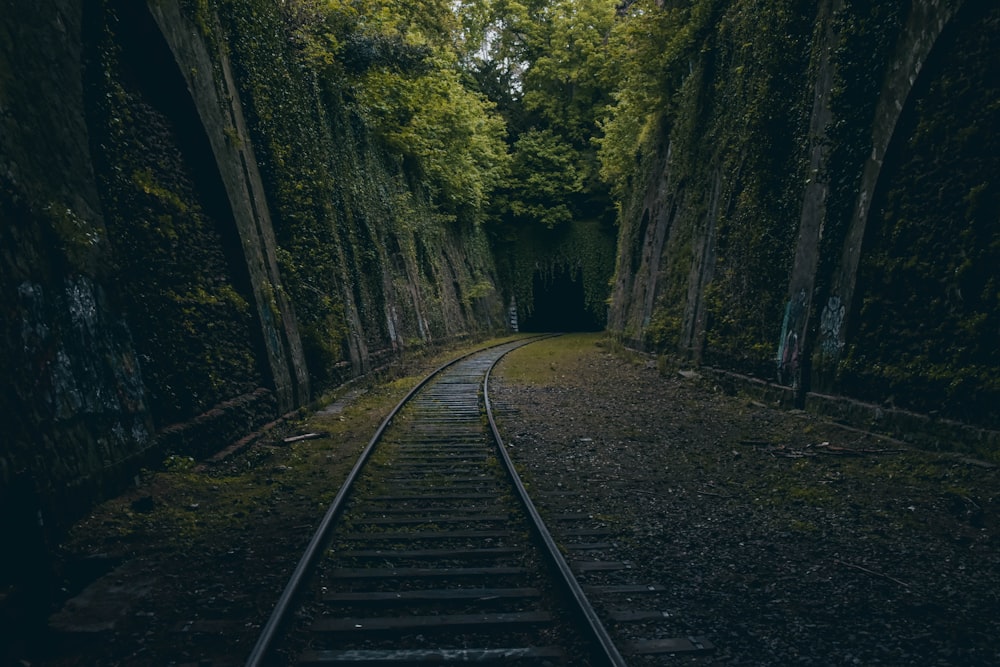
pixel 867 34
pixel 929 316
pixel 712 124
pixel 377 162
pixel 540 124
pixel 761 112
pixel 726 93
pixel 399 68
pixel 187 307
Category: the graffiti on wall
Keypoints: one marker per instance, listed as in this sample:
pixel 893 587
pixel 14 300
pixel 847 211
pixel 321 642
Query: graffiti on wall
pixel 789 347
pixel 829 327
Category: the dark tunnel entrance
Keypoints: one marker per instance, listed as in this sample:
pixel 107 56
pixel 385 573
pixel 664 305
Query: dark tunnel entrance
pixel 559 304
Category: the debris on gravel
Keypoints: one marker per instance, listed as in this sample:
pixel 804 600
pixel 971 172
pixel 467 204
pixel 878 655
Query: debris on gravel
pixel 785 539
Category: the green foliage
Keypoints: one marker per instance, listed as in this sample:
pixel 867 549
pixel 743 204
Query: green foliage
pixel 544 180
pixel 654 45
pixel 581 245
pixel 190 320
pixel 547 68
pixel 449 133
pixel 930 299
pixel 478 290
pixel 540 363
pixel 630 128
pixel 568 80
pixel 664 328
pixel 400 66
pixel 334 90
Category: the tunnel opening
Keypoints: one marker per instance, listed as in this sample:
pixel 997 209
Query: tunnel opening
pixel 560 303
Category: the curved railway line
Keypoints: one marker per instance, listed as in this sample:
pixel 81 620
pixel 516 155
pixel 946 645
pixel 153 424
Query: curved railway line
pixel 432 552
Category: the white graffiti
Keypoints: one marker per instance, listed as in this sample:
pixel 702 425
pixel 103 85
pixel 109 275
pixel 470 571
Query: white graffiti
pixel 830 324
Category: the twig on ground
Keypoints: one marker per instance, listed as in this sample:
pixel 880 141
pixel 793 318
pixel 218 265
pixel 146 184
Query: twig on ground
pixel 881 575
pixel 757 443
pixel 305 436
pixel 837 449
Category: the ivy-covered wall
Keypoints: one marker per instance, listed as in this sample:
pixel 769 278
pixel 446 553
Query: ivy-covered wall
pixel 926 322
pixel 370 267
pixel 819 207
pixel 177 261
pixel 706 244
pixel 196 236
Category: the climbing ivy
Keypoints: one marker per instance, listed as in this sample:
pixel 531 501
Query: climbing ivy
pixel 718 107
pixel 655 46
pixel 725 93
pixel 399 67
pixel 866 33
pixel 930 298
pixel 760 115
pixel 371 167
pixel 187 310
pixel 280 102
pixel 586 246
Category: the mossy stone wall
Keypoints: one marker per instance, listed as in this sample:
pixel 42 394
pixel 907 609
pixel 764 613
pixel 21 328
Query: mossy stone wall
pixel 819 208
pixel 196 237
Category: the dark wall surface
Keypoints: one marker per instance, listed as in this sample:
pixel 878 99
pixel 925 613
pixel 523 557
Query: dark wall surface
pixel 820 209
pixel 195 239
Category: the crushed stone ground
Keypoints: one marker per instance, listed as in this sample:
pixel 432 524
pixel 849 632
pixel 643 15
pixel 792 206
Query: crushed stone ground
pixel 785 539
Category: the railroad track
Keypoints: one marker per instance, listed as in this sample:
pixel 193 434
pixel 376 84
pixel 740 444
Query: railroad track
pixel 433 552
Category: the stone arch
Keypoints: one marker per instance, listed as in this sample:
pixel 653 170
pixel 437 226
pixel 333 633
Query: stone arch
pixel 151 66
pixel 923 326
pixel 918 39
pixel 211 87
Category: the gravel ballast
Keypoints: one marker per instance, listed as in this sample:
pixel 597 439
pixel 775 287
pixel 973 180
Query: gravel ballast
pixel 785 540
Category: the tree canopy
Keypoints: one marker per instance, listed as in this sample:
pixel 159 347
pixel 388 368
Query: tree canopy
pixel 510 111
pixel 399 65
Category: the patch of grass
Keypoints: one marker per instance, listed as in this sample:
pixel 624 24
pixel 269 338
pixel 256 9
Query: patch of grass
pixel 812 495
pixel 537 364
pixel 800 526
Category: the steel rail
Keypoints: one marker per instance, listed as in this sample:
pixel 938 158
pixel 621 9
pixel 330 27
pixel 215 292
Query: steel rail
pixel 322 533
pixel 568 579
